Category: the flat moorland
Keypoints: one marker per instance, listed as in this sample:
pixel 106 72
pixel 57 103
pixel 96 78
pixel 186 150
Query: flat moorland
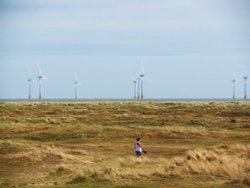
pixel 90 144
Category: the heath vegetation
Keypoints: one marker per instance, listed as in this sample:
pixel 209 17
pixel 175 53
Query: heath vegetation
pixel 90 144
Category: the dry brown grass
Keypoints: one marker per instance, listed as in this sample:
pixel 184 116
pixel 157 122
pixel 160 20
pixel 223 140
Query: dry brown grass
pixel 230 162
pixel 91 144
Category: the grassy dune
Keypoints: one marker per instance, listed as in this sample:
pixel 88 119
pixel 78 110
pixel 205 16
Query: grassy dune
pixel 193 144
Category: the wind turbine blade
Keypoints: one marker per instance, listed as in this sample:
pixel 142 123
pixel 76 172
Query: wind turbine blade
pixel 29 73
pixel 147 78
pixel 142 67
pixel 235 79
pixel 40 70
pixel 44 78
pixel 76 77
pixel 234 76
pixel 132 77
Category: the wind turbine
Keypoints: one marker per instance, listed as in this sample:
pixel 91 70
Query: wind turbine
pixel 135 86
pixel 234 81
pixel 233 88
pixel 245 87
pixel 138 87
pixel 40 80
pixel 77 83
pixel 29 80
pixel 142 76
pixel 135 82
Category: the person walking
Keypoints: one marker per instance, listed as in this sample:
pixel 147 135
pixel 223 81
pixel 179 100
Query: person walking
pixel 138 148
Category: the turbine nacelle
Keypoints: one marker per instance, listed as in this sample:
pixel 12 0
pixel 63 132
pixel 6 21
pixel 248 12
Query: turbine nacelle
pixel 42 77
pixel 134 79
pixel 234 80
pixel 76 81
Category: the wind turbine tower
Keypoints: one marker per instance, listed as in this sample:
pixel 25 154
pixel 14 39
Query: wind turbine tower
pixel 29 85
pixel 245 87
pixel 40 80
pixel 142 79
pixel 77 83
pixel 135 82
pixel 233 88
pixel 138 87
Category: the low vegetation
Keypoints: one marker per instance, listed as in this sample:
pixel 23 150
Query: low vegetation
pixel 191 144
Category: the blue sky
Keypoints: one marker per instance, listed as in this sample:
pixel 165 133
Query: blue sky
pixel 190 48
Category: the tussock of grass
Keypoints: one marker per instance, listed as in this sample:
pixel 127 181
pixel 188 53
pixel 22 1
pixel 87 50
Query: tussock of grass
pixel 216 162
pixel 62 170
pixel 8 147
pixel 77 180
pixel 39 153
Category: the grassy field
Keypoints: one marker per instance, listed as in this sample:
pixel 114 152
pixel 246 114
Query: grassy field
pixel 90 144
